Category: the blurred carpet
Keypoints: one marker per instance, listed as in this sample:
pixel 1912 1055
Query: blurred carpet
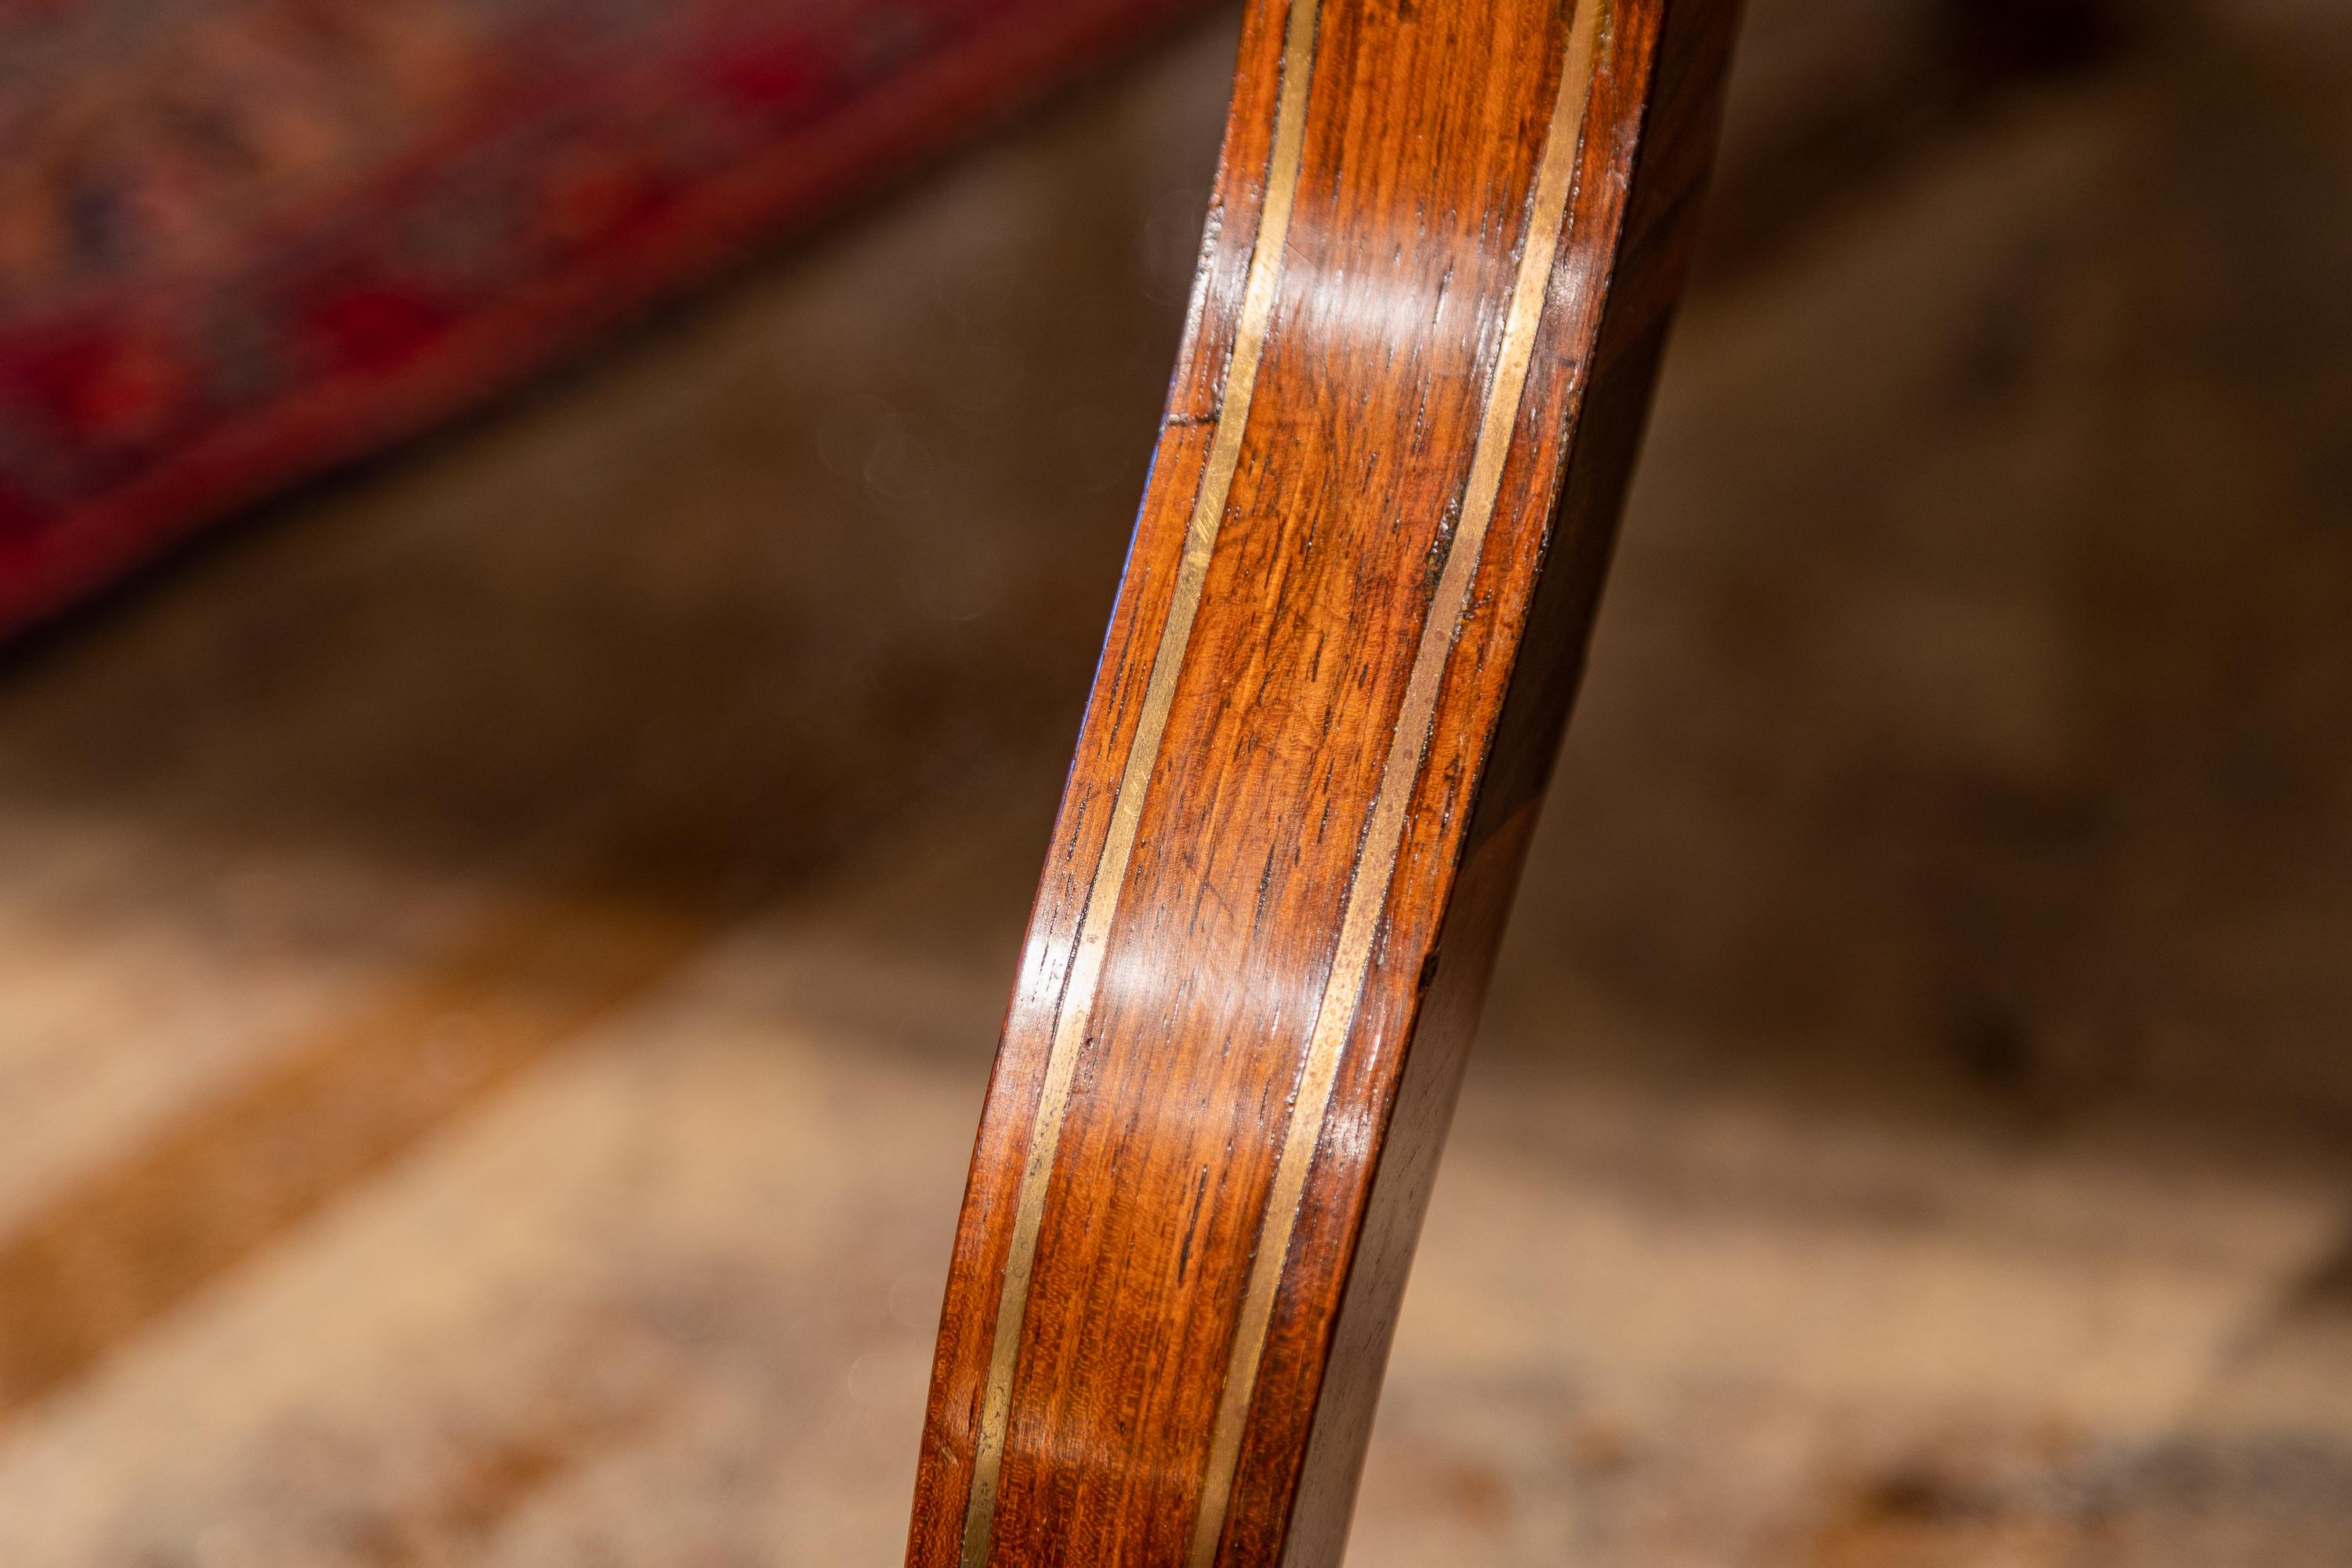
pixel 242 241
pixel 498 958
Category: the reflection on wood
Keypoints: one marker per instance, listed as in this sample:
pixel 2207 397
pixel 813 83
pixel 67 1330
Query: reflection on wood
pixel 1442 254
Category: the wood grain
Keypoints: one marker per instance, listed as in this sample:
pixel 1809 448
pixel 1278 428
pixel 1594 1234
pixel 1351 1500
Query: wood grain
pixel 1442 251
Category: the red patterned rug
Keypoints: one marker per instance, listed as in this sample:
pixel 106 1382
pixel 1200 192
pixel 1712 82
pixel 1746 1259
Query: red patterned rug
pixel 242 241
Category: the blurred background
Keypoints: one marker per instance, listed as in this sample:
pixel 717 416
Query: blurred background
pixel 500 944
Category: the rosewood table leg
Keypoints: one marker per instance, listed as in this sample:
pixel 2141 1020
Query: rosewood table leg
pixel 1446 238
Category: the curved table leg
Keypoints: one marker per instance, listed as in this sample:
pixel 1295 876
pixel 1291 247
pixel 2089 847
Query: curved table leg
pixel 1446 238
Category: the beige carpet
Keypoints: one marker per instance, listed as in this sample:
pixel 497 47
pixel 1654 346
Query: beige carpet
pixel 499 957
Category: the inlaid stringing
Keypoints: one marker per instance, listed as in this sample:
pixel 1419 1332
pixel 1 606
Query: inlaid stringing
pixel 1384 835
pixel 1361 583
pixel 1084 979
pixel 1408 750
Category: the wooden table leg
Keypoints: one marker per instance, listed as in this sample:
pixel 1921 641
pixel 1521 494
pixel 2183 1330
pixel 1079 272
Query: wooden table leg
pixel 1446 239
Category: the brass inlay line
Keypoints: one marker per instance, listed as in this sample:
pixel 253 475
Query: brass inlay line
pixel 1079 991
pixel 1368 886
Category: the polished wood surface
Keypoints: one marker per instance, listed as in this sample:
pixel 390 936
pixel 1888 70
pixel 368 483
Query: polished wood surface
pixel 1444 247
